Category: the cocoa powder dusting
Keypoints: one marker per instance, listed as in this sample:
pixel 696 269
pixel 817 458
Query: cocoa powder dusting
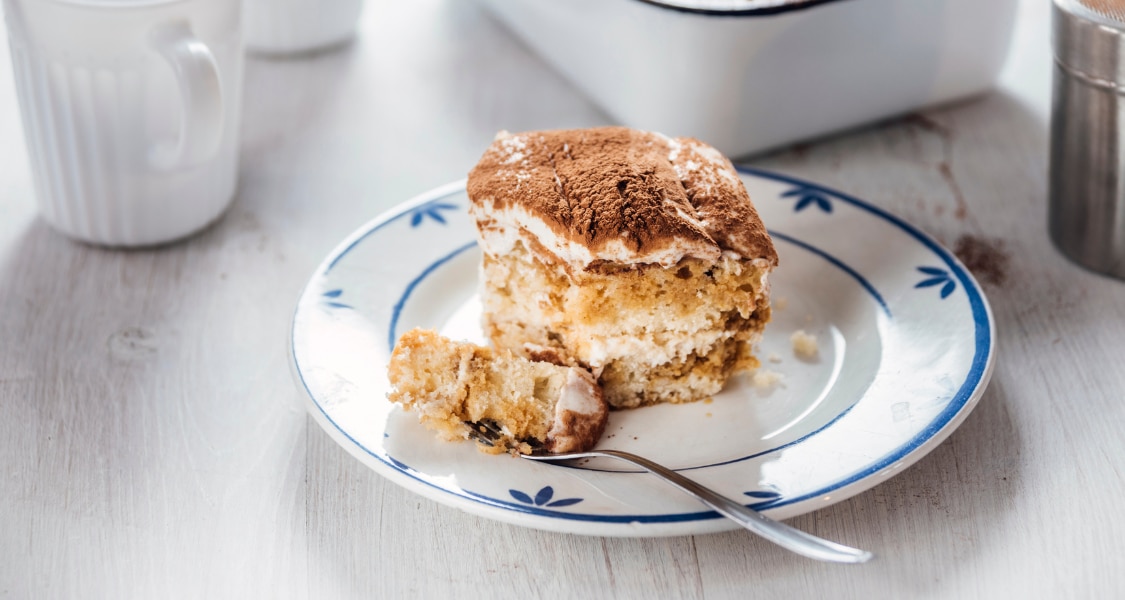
pixel 986 258
pixel 962 209
pixel 615 187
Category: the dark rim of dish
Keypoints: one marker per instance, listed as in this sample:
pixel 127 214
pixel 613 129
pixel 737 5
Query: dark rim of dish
pixel 685 6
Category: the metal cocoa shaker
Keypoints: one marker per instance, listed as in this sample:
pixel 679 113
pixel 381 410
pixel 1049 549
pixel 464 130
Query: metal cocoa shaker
pixel 1087 162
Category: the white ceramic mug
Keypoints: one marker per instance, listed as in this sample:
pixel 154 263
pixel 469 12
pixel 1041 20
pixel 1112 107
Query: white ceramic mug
pixel 130 111
pixel 279 27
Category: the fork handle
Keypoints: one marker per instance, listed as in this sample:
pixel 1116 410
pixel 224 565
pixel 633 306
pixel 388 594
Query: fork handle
pixel 777 532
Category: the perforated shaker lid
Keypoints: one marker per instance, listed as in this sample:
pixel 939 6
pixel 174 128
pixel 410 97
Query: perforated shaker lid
pixel 1089 39
pixel 1110 9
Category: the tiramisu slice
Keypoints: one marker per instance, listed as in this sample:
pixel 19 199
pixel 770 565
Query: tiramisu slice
pixel 635 255
pixel 455 385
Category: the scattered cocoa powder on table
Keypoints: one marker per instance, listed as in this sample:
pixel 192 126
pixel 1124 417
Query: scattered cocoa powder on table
pixel 986 258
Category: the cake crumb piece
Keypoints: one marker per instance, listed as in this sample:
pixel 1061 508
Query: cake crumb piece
pixel 775 358
pixel 780 303
pixel 766 379
pixel 804 344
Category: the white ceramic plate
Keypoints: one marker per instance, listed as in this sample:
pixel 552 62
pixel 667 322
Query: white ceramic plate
pixel 905 351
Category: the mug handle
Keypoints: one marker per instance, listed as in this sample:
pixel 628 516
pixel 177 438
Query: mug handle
pixel 201 94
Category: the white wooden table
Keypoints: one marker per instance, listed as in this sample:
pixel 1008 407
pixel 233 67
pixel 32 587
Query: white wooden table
pixel 152 443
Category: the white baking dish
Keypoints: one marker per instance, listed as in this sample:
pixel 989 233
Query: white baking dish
pixel 749 75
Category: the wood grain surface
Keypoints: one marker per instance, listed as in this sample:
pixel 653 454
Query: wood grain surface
pixel 153 445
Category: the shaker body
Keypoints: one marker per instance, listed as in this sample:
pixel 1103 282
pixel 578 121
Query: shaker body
pixel 1087 172
pixel 1086 208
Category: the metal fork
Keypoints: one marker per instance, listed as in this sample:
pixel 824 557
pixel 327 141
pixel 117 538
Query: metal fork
pixel 777 532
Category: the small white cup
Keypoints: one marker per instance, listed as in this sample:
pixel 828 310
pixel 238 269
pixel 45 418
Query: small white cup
pixel 130 111
pixel 280 27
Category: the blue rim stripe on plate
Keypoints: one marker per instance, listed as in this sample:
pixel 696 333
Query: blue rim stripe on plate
pixel 391 337
pixel 840 265
pixel 981 323
pixel 764 11
pixel 977 370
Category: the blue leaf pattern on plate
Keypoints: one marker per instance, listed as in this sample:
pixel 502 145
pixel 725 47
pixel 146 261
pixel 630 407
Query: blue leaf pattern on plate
pixel 763 495
pixel 432 210
pixel 543 498
pixel 937 276
pixel 331 294
pixel 808 197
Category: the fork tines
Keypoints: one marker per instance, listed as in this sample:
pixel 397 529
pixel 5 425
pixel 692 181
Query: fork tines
pixel 485 432
pixel 490 433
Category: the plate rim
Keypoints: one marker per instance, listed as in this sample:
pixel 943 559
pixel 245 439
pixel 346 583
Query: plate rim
pixel 769 10
pixel 878 471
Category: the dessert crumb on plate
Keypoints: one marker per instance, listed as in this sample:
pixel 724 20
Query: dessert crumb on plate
pixel 804 344
pixel 765 379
